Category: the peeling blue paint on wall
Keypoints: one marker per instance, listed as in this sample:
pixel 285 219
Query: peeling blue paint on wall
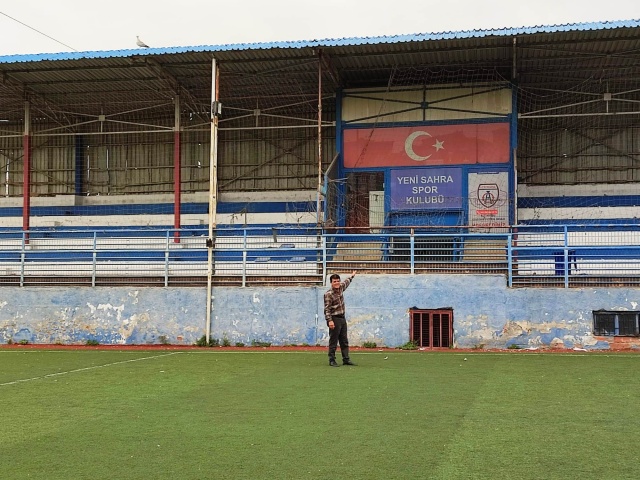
pixel 485 312
pixel 108 315
pixel 281 316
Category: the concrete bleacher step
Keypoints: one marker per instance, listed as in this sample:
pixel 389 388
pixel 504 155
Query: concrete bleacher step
pixel 358 252
pixel 485 251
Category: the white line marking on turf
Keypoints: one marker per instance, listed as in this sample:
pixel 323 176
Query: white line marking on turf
pixel 50 375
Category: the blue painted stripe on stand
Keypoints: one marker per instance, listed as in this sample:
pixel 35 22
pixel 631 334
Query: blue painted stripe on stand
pixel 161 209
pixel 579 201
pixel 125 231
pixel 159 256
pixel 266 207
pixel 557 253
pixel 579 221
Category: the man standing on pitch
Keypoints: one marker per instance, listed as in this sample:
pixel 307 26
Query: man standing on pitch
pixel 334 312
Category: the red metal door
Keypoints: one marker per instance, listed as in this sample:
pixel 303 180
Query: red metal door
pixel 431 328
pixel 358 187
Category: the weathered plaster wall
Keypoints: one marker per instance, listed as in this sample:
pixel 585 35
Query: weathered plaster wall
pixel 108 315
pixel 485 313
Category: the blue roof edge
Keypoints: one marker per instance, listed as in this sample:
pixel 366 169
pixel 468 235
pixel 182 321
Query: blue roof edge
pixel 329 42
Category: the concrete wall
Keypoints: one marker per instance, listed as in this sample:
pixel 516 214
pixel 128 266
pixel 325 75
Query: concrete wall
pixel 485 313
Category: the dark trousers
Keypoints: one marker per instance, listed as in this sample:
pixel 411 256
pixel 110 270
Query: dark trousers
pixel 338 334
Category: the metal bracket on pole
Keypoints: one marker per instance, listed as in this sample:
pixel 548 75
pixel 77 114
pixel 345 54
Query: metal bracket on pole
pixel 216 109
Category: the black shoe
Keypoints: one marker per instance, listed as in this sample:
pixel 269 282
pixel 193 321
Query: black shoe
pixel 348 362
pixel 333 363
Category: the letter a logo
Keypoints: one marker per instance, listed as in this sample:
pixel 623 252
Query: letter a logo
pixel 488 194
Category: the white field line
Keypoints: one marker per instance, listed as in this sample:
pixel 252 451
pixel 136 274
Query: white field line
pixel 85 369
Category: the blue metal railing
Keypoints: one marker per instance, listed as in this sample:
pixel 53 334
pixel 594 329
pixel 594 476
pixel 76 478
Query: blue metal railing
pixel 545 255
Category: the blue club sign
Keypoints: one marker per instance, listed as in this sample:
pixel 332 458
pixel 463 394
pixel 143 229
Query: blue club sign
pixel 426 189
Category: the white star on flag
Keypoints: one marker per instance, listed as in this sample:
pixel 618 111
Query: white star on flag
pixel 439 145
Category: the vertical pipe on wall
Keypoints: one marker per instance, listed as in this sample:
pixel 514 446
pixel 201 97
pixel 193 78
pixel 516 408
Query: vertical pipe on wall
pixel 177 179
pixel 213 187
pixel 26 177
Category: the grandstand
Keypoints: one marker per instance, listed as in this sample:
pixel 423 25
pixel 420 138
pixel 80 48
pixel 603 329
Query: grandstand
pixel 504 152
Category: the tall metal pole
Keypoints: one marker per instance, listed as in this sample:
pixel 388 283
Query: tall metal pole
pixel 26 175
pixel 177 170
pixel 213 188
pixel 319 193
pixel 320 239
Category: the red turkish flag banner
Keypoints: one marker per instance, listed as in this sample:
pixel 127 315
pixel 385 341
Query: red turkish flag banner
pixel 464 144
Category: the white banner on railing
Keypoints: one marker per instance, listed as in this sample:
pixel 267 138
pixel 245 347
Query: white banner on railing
pixel 488 200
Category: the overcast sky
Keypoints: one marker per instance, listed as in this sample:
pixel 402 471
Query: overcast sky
pixel 113 24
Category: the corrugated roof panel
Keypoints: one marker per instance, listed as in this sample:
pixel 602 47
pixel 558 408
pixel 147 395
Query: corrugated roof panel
pixel 348 41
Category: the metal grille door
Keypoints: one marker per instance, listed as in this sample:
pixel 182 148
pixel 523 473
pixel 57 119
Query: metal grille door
pixel 432 328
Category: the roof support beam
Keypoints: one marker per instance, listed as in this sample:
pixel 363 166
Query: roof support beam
pixel 176 86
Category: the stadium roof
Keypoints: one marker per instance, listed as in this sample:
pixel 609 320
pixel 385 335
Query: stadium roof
pixel 558 57
pixel 340 42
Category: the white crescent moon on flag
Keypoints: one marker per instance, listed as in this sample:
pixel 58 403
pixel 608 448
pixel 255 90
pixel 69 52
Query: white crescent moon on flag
pixel 408 146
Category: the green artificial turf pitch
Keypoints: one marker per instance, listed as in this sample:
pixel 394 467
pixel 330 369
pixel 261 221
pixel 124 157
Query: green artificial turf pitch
pixel 203 414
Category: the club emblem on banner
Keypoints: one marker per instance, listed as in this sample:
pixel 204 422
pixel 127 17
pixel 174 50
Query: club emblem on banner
pixel 488 194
